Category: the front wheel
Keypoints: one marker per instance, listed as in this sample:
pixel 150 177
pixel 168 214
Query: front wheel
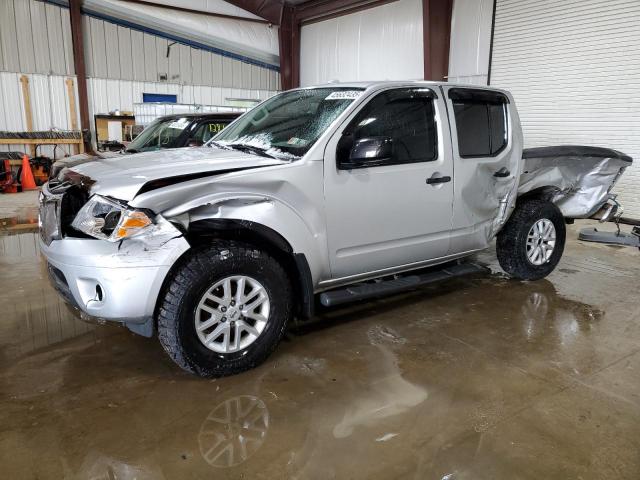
pixel 225 309
pixel 531 243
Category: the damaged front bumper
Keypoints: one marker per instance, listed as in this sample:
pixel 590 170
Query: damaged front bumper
pixel 117 282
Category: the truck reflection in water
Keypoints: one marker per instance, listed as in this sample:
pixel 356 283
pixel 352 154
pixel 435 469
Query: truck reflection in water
pixel 233 431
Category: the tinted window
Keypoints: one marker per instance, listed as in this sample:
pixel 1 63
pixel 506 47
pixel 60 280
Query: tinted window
pixel 480 122
pixel 162 133
pixel 404 116
pixel 205 131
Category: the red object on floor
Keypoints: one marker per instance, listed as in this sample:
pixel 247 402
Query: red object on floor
pixel 27 180
pixel 7 182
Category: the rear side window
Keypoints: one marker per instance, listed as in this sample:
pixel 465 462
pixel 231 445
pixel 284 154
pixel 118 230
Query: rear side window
pixel 481 121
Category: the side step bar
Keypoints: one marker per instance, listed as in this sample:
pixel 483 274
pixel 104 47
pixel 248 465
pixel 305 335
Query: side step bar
pixel 365 291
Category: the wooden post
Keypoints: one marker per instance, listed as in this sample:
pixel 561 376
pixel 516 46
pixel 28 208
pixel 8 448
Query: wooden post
pixel 71 93
pixel 75 15
pixel 28 114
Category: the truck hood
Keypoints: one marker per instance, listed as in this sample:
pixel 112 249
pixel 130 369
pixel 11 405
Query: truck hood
pixel 123 176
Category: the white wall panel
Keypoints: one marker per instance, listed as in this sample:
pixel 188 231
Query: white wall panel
pixel 574 70
pixel 24 36
pixel 54 39
pixel 49 107
pixel 111 54
pixel 161 56
pixel 125 53
pixel 98 47
pixel 137 53
pixel 470 41
pixel 11 115
pixel 43 44
pixel 381 43
pixel 150 60
pixel 8 37
pixel 196 66
pixel 41 47
pixel 88 46
pixel 65 23
pixel 227 72
pixel 185 64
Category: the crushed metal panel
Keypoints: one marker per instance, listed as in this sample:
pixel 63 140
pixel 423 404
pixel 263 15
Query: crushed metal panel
pixel 583 176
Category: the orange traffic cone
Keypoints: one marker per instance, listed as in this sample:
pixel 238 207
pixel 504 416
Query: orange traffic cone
pixel 26 178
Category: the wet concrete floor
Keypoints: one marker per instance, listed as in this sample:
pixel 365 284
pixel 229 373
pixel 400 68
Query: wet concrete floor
pixel 479 378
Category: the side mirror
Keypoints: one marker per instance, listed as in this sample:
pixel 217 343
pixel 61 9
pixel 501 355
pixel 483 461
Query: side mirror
pixel 367 152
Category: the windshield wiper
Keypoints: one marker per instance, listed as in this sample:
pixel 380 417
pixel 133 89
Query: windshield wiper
pixel 218 145
pixel 243 147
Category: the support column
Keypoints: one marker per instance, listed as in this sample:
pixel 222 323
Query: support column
pixel 289 37
pixel 81 74
pixel 436 28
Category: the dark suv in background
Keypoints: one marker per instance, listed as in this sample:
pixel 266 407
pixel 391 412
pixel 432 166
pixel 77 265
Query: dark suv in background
pixel 171 131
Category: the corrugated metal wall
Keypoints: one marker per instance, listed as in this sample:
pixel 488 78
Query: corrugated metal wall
pixel 35 38
pixel 113 51
pixel 380 43
pixel 49 106
pixel 116 52
pixel 574 70
pixel 106 95
pixel 470 41
pixel 121 64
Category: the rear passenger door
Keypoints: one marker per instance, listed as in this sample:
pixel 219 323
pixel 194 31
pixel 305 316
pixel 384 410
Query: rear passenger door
pixel 487 149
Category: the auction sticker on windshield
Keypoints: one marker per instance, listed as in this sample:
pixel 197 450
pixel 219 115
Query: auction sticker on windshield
pixel 344 95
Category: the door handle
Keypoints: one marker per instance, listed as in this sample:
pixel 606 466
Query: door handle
pixel 502 173
pixel 434 180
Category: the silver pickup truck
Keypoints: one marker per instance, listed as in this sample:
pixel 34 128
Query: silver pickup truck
pixel 319 195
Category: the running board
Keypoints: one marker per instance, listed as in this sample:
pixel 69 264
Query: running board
pixel 365 291
pixel 613 238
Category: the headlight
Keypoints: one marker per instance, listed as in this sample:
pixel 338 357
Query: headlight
pixel 108 220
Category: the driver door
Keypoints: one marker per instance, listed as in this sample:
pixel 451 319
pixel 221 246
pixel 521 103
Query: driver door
pixel 393 212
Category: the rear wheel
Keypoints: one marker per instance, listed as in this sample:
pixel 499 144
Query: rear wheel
pixel 531 243
pixel 225 309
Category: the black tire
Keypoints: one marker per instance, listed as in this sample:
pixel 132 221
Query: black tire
pixel 198 271
pixel 511 244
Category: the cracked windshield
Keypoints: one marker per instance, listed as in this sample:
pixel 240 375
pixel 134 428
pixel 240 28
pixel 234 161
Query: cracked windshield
pixel 287 125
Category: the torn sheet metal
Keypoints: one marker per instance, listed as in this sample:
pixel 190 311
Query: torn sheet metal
pixel 582 177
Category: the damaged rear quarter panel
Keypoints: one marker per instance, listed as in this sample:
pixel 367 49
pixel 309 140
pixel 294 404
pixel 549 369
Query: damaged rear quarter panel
pixel 582 177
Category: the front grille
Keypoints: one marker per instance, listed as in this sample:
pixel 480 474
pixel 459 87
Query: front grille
pixel 59 282
pixel 72 201
pixel 49 216
pixel 60 202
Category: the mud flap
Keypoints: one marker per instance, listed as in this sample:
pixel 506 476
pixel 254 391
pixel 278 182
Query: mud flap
pixel 146 328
